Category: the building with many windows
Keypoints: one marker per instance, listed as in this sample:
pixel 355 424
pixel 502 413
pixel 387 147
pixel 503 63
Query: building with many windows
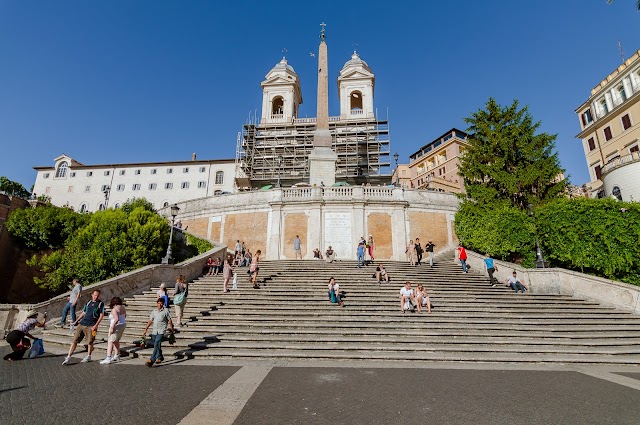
pixel 88 188
pixel 610 133
pixel 435 165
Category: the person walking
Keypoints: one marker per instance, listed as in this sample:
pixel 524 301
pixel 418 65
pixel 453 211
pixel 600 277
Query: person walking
pixel 491 268
pixel 429 248
pixel 360 254
pixel 411 253
pixel 297 247
pixel 159 318
pixel 418 251
pixel 16 338
pixel 72 301
pixel 117 323
pixel 182 287
pixel 462 256
pixel 227 273
pixel 238 247
pixel 87 326
pixel 371 248
pixel 254 269
pixel 334 292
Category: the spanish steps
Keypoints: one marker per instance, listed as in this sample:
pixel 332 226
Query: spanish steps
pixel 291 318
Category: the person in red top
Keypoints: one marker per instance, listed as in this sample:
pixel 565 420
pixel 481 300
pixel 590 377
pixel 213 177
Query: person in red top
pixel 462 256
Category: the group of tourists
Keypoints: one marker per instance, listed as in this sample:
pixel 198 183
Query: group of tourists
pixel 415 251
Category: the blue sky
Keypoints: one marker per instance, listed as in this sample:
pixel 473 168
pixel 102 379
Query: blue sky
pixel 130 81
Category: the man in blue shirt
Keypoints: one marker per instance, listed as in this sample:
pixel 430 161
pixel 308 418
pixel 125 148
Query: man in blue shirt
pixel 491 268
pixel 360 254
pixel 91 316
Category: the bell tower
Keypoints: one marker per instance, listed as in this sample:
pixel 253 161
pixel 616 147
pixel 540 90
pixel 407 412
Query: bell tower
pixel 281 94
pixel 355 88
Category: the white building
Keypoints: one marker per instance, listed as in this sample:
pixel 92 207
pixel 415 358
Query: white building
pixel 88 188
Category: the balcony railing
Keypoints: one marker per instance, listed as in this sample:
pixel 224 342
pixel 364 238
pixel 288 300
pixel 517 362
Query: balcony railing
pixel 621 161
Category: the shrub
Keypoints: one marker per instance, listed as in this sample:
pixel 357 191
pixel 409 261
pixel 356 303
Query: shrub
pixel 44 227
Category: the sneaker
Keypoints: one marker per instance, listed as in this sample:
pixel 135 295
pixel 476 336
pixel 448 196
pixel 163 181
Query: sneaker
pixel 116 358
pixel 106 360
pixel 58 325
pixel 66 361
pixel 87 359
pixel 493 285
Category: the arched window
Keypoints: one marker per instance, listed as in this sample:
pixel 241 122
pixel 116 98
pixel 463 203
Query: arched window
pixel 62 169
pixel 355 102
pixel 165 204
pixel 277 106
pixel 621 93
pixel 101 207
pixel 219 177
pixel 217 192
pixel 116 206
pixel 83 208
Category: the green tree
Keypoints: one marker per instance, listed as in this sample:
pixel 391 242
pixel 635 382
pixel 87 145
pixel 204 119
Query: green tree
pixel 637 3
pixel 13 188
pixel 134 203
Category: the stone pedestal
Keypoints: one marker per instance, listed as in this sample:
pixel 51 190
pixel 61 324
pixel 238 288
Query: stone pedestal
pixel 322 166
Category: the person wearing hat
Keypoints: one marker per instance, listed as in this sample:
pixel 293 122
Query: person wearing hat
pixel 16 338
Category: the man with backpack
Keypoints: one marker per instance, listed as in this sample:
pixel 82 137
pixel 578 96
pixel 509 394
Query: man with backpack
pixel 87 326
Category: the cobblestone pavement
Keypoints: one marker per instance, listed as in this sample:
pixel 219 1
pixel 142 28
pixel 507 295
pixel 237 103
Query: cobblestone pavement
pixel 438 396
pixel 42 391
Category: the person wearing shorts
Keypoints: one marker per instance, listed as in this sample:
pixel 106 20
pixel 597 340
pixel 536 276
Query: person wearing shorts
pixel 117 323
pixel 87 326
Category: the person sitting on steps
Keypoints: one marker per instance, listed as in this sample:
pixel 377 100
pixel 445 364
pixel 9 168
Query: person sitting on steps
pixel 381 273
pixel 406 297
pixel 515 283
pixel 316 254
pixel 330 255
pixel 422 298
pixel 334 292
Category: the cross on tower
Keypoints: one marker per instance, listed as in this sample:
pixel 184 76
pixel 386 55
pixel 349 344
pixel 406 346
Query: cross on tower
pixel 322 35
pixel 284 52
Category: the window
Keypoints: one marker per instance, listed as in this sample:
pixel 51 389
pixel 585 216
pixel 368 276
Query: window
pixel 120 187
pixel 73 174
pixel 104 188
pixel 152 186
pixel 70 189
pixel 598 171
pixel 154 171
pixel 202 185
pixel 136 186
pixel 106 173
pixel 217 192
pixel 121 172
pixel 592 144
pixel 62 170
pixel 607 133
pixel 47 190
pixel 168 185
pixel 219 177
pixel 185 170
pixel 101 207
pixel 89 173
pixel 616 193
pixel 87 189
pixel 83 208
pixel 165 204
pixel 185 185
pixel 169 170
pixel 587 118
pixel 621 93
pixel 116 206
pixel 626 122
pixel 202 169
pixel 355 102
pixel 137 172
pixel 46 175
pixel 403 173
pixel 603 107
pixel 633 149
pixel 277 108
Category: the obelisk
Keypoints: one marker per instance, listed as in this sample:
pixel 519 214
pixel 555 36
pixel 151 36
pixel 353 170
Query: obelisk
pixel 322 159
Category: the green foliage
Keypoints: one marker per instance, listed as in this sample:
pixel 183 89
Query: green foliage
pixel 507 163
pixel 505 232
pixel 12 188
pixel 201 244
pixel 112 242
pixel 593 235
pixel 44 227
pixel 134 203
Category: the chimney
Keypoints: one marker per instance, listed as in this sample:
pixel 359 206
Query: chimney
pixel 193 156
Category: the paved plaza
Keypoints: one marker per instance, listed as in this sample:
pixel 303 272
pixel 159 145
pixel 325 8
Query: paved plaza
pixel 207 392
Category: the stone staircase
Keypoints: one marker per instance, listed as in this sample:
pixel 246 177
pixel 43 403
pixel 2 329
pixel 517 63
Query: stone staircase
pixel 291 318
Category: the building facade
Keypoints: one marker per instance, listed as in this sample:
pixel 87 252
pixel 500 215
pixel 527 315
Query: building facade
pixel 274 148
pixel 88 188
pixel 610 133
pixel 435 165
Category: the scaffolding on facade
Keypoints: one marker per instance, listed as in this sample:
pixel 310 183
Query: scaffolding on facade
pixel 272 154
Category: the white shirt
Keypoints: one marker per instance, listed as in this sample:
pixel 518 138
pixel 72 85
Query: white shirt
pixel 406 292
pixel 335 287
pixel 513 280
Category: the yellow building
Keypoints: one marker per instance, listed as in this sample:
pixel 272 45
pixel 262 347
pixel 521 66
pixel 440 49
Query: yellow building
pixel 435 165
pixel 610 130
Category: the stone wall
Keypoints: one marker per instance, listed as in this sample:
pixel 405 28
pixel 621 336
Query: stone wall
pixel 250 228
pixel 379 227
pixel 295 224
pixel 125 285
pixel 619 295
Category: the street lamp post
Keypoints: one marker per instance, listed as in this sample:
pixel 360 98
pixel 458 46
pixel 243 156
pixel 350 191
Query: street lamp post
pixel 168 259
pixel 540 261
pixel 280 160
pixel 396 156
pixel 106 192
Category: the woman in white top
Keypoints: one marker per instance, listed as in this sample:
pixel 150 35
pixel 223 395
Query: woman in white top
pixel 422 298
pixel 334 292
pixel 117 323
